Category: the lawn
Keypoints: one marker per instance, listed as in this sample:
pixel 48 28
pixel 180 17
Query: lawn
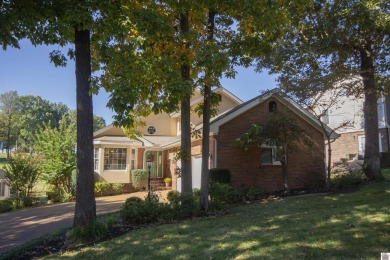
pixel 340 226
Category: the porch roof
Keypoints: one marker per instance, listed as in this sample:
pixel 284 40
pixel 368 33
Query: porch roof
pixel 160 140
pixel 116 140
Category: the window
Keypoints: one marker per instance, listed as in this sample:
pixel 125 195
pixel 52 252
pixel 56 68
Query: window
pixel 133 159
pixel 2 189
pixel 96 159
pixel 270 156
pixel 115 158
pixel 151 130
pixel 272 106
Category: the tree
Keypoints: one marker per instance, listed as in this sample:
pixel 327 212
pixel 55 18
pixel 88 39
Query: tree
pixel 279 130
pixel 9 108
pixel 34 111
pixel 329 42
pixel 63 22
pixel 21 173
pixel 57 145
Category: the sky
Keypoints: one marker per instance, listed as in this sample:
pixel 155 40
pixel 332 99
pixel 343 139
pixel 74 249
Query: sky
pixel 29 72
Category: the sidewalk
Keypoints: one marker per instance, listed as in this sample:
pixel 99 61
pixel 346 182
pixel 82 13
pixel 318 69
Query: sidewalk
pixel 21 226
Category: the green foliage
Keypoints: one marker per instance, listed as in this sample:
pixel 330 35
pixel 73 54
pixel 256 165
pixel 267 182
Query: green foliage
pixel 220 175
pixel 57 145
pixel 222 194
pixel 101 187
pixel 21 173
pixel 6 205
pixel 346 180
pixel 9 112
pixel 139 178
pixel 118 187
pixel 173 197
pixel 90 232
pixel 138 211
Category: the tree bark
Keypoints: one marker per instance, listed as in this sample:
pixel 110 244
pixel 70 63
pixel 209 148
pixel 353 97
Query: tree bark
pixel 371 166
pixel 85 210
pixel 185 106
pixel 204 185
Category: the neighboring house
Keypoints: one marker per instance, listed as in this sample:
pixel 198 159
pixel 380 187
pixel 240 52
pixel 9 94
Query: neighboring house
pixel 116 155
pixel 4 189
pixel 347 117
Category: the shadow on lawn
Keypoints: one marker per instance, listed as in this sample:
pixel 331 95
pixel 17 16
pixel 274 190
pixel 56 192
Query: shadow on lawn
pixel 353 225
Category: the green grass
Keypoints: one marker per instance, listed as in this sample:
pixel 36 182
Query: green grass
pixel 343 226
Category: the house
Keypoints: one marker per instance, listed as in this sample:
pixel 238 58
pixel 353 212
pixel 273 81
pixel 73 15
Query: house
pixel 5 191
pixel 116 154
pixel 347 118
pixel 258 167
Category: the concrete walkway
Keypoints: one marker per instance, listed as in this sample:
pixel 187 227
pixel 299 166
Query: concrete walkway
pixel 21 226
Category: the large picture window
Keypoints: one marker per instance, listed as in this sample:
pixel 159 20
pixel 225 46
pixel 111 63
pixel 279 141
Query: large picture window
pixel 115 158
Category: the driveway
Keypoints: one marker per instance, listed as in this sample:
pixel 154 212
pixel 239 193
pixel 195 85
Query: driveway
pixel 21 226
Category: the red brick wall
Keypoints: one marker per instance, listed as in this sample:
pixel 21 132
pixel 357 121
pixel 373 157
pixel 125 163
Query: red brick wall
pixel 345 146
pixel 305 166
pixel 140 159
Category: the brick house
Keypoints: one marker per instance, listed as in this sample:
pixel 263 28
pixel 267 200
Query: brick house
pixel 305 166
pixel 116 154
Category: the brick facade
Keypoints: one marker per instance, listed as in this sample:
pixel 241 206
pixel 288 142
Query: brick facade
pixel 306 166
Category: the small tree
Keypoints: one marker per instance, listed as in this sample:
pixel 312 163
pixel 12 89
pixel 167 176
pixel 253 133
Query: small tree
pixel 58 148
pixel 21 173
pixel 278 130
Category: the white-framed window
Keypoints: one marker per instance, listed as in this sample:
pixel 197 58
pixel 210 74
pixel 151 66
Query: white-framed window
pixel 133 159
pixel 151 130
pixel 270 156
pixel 2 189
pixel 325 117
pixel 115 158
pixel 96 159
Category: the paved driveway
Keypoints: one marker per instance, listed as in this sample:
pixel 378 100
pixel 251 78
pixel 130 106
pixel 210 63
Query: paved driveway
pixel 19 227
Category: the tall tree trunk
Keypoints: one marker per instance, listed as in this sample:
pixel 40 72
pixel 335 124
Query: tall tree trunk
pixel 9 137
pixel 85 210
pixel 185 106
pixel 204 185
pixel 329 163
pixel 372 167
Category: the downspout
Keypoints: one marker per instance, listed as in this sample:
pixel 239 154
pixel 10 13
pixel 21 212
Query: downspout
pixel 325 149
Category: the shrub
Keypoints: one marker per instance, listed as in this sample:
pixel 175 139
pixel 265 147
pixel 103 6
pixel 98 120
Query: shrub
pixel 6 205
pixel 220 175
pixel 90 232
pixel 139 178
pixel 138 211
pixel 173 196
pixel 222 193
pixel 27 201
pixel 118 187
pixel 101 187
pixel 343 180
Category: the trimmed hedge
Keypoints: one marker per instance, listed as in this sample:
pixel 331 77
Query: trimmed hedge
pixel 139 178
pixel 6 205
pixel 219 175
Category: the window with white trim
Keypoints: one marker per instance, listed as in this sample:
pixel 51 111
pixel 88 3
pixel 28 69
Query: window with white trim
pixel 270 156
pixel 115 158
pixel 96 159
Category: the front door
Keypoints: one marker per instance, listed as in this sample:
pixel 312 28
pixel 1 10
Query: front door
pixel 156 170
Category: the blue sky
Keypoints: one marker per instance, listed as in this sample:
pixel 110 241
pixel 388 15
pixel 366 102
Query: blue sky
pixel 29 72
